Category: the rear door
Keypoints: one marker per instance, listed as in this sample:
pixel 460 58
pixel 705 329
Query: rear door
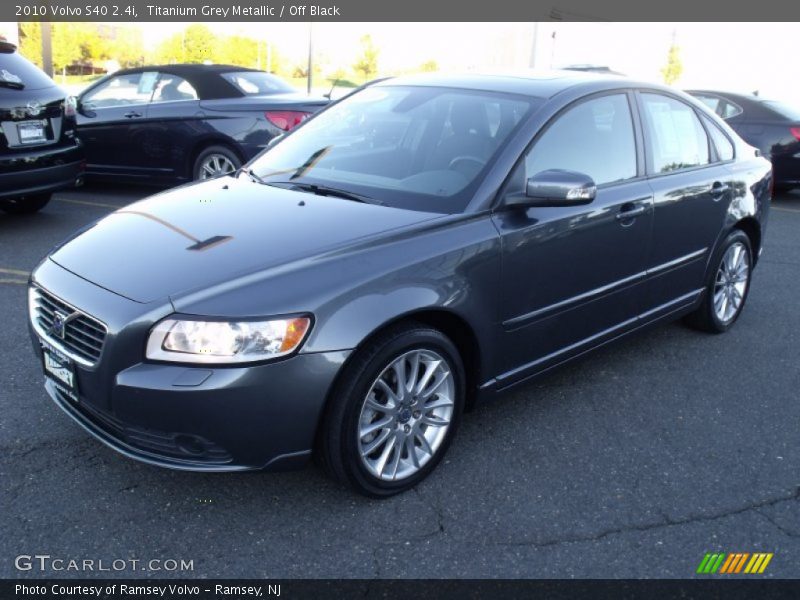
pixel 692 189
pixel 110 123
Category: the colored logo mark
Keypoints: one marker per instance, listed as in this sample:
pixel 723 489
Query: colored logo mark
pixel 734 562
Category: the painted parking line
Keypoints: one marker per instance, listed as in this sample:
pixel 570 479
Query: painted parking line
pixel 89 203
pixel 14 276
pixel 782 209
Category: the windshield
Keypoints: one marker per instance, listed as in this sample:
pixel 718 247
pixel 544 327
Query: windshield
pixel 422 148
pixel 256 83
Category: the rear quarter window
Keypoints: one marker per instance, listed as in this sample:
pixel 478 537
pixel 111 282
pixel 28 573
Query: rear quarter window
pixel 14 68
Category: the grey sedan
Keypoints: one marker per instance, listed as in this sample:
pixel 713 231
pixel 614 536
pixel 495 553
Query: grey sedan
pixel 421 245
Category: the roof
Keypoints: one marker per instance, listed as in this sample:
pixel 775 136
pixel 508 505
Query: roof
pixel 734 95
pixel 540 84
pixel 204 78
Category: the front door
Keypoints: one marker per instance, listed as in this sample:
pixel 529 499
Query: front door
pixel 572 276
pixel 111 120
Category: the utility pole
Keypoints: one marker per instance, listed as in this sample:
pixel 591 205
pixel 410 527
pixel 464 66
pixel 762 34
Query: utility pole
pixel 310 55
pixel 47 48
pixel 534 44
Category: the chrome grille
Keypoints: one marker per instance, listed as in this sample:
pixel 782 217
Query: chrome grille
pixel 83 335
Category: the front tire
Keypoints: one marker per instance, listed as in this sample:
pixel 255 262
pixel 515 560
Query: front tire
pixel 394 411
pixel 728 286
pixel 25 205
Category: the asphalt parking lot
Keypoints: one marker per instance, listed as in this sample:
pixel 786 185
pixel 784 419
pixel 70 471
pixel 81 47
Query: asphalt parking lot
pixel 634 462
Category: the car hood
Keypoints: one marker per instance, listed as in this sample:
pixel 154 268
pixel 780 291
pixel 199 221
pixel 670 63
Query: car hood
pixel 204 234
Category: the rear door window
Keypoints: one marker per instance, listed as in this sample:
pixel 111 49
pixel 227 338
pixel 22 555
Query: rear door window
pixel 676 137
pixel 171 88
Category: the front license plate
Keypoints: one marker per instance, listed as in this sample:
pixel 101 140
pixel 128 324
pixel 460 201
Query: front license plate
pixel 31 132
pixel 61 371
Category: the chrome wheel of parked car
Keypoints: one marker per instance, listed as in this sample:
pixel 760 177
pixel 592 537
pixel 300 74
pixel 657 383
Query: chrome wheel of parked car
pixel 394 411
pixel 215 161
pixel 727 285
pixel 731 282
pixel 216 165
pixel 406 414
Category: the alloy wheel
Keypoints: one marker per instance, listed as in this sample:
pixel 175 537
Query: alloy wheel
pixel 730 284
pixel 216 165
pixel 406 414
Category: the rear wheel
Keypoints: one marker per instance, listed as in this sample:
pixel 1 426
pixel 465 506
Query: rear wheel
pixel 25 205
pixel 728 286
pixel 215 161
pixel 394 411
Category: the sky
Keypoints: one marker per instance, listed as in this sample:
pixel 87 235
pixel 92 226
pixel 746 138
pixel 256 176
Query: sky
pixel 726 56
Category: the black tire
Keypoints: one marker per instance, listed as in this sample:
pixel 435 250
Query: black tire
pixel 705 317
pixel 338 443
pixel 25 205
pixel 208 153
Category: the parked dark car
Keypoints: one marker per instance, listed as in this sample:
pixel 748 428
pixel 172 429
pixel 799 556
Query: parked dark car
pixel 39 151
pixel 771 126
pixel 417 246
pixel 176 123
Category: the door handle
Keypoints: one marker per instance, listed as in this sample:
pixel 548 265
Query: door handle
pixel 132 115
pixel 718 188
pixel 631 213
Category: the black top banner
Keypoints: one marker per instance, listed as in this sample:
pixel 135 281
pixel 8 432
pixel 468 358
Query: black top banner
pixel 396 11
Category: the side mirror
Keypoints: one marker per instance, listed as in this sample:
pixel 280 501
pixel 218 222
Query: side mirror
pixel 87 109
pixel 555 187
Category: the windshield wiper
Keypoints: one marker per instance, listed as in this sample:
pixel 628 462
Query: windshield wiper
pixel 252 175
pixel 14 85
pixel 324 190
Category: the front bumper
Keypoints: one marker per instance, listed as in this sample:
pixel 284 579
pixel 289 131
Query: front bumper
pixel 256 417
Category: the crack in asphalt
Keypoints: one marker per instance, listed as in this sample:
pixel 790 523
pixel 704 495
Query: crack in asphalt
pixel 778 526
pixel 667 522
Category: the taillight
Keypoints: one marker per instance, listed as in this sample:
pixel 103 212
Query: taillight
pixel 286 119
pixel 70 103
pixel 795 132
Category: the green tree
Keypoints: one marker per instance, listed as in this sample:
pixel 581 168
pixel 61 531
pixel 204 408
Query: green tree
pixel 429 66
pixel 195 44
pixel 674 67
pixel 30 41
pixel 239 50
pixel 367 62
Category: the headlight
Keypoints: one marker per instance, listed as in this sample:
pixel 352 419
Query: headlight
pixel 186 340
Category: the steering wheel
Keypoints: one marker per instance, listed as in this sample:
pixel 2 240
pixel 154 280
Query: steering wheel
pixel 466 161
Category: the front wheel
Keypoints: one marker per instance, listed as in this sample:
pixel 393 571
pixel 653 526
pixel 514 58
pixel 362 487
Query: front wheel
pixel 728 286
pixel 25 205
pixel 394 411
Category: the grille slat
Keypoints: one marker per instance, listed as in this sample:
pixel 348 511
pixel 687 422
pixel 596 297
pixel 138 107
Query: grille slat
pixel 84 336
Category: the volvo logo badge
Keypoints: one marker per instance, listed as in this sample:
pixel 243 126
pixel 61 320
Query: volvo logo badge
pixel 34 108
pixel 60 320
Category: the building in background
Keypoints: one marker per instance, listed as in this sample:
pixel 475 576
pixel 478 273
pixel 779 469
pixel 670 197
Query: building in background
pixel 9 32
